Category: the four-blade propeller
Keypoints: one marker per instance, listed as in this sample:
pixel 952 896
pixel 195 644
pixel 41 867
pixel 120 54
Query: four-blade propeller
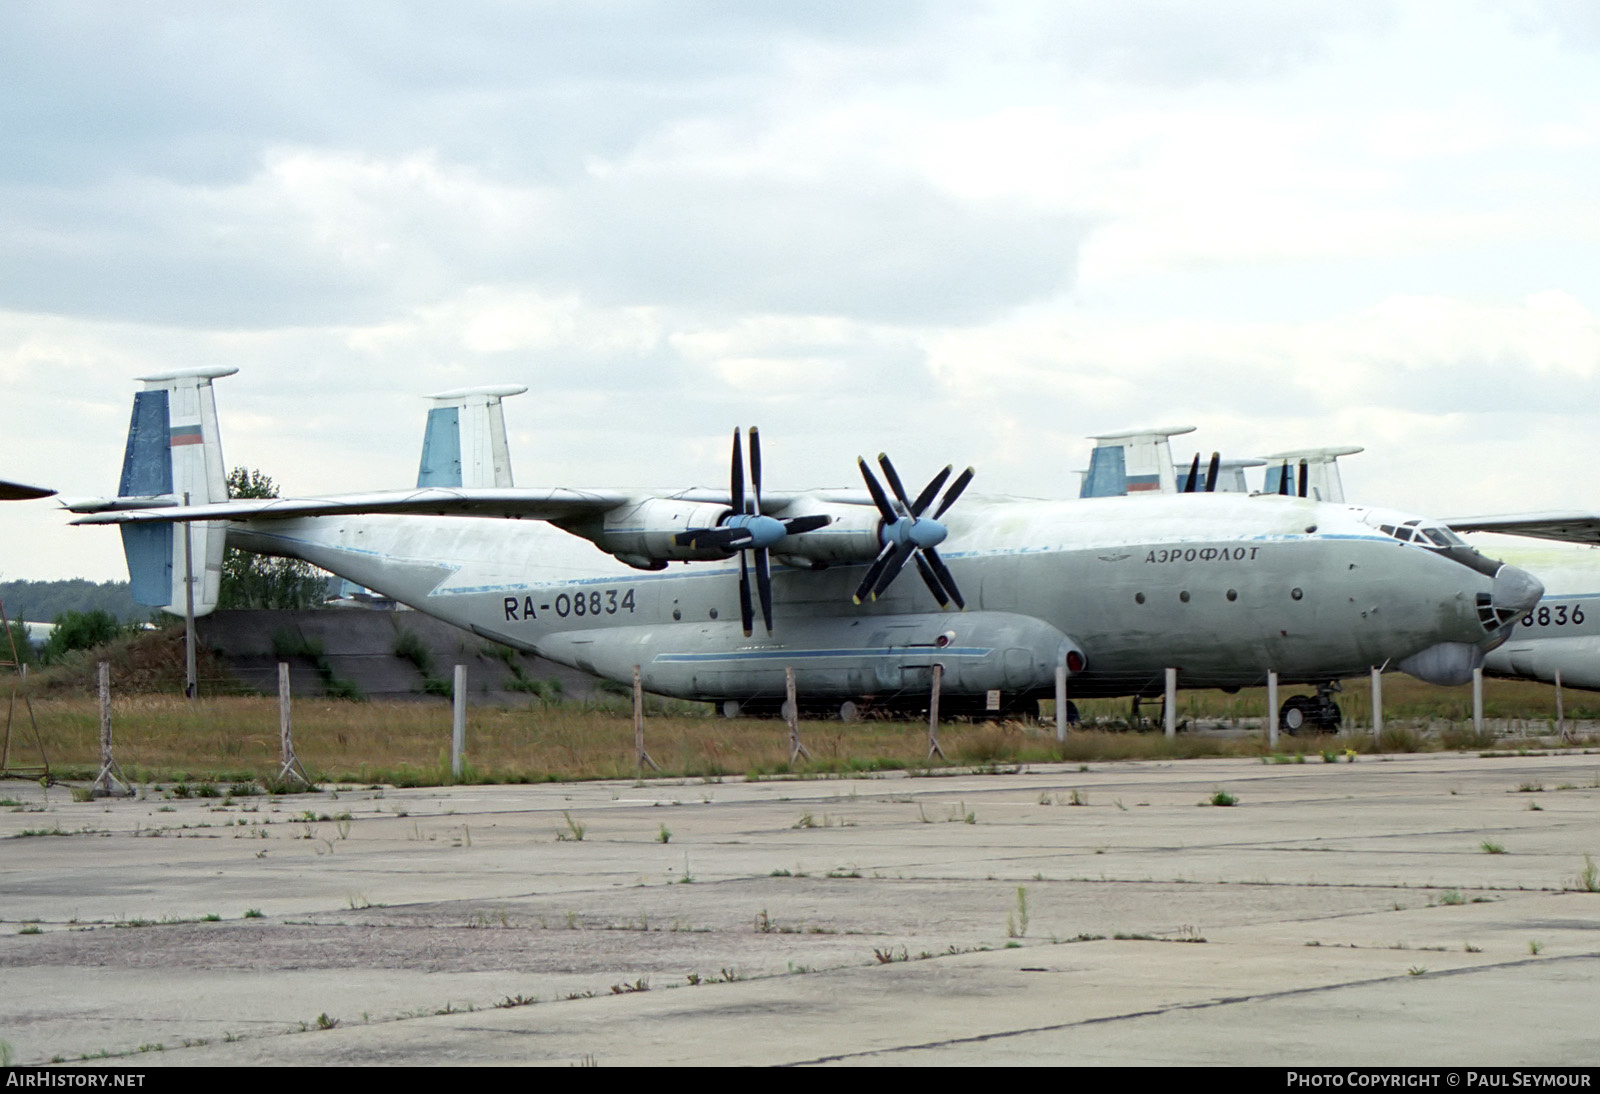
pixel 906 533
pixel 747 529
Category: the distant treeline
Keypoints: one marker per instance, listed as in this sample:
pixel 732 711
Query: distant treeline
pixel 42 601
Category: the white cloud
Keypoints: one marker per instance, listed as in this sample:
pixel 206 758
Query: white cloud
pixel 971 234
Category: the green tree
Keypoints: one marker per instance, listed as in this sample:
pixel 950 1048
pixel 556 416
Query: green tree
pixel 19 642
pixel 261 581
pixel 80 631
pixel 42 601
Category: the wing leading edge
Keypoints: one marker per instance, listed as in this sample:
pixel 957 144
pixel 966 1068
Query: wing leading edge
pixel 1567 527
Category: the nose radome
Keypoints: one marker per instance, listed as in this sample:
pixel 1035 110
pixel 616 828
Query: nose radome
pixel 1515 589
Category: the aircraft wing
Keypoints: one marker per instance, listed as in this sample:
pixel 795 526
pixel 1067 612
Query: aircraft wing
pixel 21 491
pixel 507 504
pixel 1569 527
pixel 554 504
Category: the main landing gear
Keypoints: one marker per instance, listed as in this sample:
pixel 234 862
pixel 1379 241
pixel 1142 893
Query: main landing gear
pixel 1314 713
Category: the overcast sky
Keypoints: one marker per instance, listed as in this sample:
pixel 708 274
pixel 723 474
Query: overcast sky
pixel 958 232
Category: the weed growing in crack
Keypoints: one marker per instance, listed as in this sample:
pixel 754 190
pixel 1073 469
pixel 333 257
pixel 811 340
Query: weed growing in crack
pixel 575 830
pixel 1017 918
pixel 1588 879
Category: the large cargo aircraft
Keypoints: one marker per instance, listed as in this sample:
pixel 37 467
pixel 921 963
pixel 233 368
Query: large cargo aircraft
pixel 1222 587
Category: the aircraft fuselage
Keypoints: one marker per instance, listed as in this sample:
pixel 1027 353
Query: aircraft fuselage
pixel 1223 588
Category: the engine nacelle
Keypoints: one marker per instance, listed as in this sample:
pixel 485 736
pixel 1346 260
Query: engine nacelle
pixel 851 536
pixel 647 530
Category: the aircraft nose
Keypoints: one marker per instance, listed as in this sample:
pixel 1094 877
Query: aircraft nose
pixel 1516 590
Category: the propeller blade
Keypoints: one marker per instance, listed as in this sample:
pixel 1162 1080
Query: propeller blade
pixel 931 580
pixel 1194 475
pixel 939 568
pixel 954 492
pixel 894 480
pixel 864 589
pixel 929 492
pixel 795 526
pixel 1213 471
pixel 892 571
pixel 746 615
pixel 736 477
pixel 755 469
pixel 764 586
pixel 908 535
pixel 1305 477
pixel 885 510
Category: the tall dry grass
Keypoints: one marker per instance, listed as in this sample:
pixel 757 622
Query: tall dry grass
pixel 235 738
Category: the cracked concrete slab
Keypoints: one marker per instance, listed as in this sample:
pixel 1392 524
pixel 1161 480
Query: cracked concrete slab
pixel 1404 910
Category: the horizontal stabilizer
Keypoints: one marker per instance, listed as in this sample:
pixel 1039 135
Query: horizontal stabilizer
pixel 20 491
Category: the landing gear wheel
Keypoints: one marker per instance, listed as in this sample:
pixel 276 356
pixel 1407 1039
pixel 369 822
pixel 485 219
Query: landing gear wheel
pixel 849 712
pixel 1296 713
pixel 730 708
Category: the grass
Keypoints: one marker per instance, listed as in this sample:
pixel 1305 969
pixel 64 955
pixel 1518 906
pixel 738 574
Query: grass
pixel 1017 919
pixel 1490 847
pixel 232 741
pixel 574 832
pixel 1588 880
pixel 1222 797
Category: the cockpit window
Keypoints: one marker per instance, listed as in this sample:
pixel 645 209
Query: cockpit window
pixel 1427 535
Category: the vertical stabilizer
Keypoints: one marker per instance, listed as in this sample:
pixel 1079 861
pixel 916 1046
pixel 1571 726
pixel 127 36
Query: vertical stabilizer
pixel 1133 462
pixel 465 440
pixel 174 455
pixel 1322 472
